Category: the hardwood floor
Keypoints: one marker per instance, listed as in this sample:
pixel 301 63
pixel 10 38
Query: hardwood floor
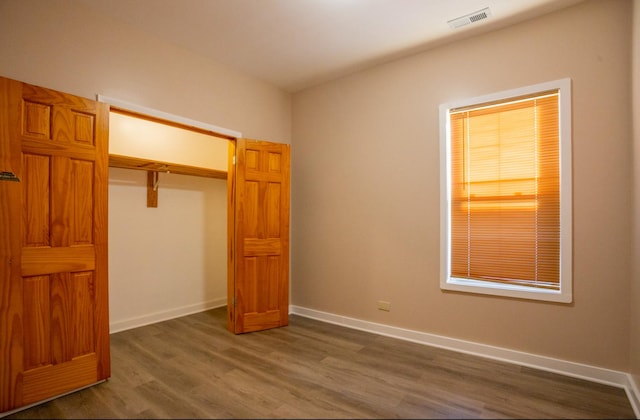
pixel 192 367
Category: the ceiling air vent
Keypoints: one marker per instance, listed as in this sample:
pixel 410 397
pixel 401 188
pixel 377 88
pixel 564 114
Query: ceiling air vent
pixel 470 18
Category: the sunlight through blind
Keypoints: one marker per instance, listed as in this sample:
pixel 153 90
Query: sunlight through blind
pixel 505 192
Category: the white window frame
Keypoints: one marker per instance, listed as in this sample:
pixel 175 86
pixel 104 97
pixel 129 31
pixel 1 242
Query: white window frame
pixel 447 282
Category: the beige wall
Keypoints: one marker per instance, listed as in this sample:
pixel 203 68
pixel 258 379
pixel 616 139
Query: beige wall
pixel 365 187
pixel 60 45
pixel 634 350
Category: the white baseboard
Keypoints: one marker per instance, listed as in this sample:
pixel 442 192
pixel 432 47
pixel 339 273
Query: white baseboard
pixel 633 392
pixel 564 367
pixel 139 321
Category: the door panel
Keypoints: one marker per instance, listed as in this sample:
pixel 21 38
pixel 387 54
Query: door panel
pixel 259 251
pixel 54 324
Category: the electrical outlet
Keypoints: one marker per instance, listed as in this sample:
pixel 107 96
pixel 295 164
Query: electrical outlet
pixel 384 306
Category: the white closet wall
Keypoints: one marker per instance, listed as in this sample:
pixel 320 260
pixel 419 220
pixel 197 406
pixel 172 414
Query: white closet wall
pixel 171 260
pixel 167 261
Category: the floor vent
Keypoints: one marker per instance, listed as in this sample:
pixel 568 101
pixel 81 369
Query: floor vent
pixel 470 18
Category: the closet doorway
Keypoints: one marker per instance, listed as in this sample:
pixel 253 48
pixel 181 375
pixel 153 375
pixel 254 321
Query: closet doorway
pixel 183 264
pixel 167 220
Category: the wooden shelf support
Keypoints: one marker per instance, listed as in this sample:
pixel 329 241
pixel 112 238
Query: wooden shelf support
pixel 126 162
pixel 153 168
pixel 152 189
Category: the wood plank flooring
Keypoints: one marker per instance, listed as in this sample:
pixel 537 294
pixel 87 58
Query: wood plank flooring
pixel 192 367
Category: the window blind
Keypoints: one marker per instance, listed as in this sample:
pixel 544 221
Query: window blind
pixel 505 192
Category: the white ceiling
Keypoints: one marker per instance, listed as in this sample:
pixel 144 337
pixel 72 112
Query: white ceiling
pixel 295 44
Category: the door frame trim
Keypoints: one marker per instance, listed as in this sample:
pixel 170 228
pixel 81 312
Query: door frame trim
pixel 162 116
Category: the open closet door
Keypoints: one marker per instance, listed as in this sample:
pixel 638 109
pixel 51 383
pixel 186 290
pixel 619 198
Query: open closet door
pixel 54 321
pixel 258 189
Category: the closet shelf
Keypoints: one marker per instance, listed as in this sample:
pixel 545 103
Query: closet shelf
pixel 126 162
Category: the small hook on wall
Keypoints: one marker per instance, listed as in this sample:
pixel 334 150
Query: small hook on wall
pixel 156 179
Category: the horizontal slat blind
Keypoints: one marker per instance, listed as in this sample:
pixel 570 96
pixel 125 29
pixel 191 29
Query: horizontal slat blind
pixel 505 192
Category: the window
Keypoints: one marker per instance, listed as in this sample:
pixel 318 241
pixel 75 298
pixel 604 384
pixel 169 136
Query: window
pixel 506 193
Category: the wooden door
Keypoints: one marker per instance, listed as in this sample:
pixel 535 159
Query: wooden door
pixel 258 189
pixel 54 323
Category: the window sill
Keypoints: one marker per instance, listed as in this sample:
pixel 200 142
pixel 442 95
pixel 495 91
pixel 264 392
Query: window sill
pixel 507 290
